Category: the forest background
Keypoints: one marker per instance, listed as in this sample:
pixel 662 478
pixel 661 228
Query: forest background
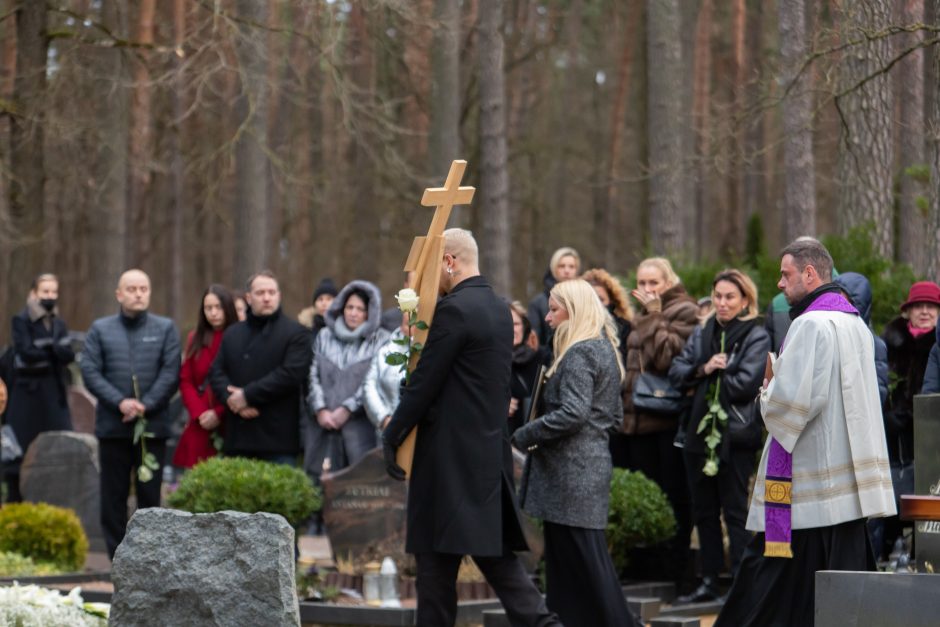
pixel 201 140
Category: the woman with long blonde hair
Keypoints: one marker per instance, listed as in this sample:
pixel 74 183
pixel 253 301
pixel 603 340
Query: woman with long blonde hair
pixel 566 482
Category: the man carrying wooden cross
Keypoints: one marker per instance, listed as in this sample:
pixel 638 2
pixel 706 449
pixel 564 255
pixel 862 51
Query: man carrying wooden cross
pixel 460 499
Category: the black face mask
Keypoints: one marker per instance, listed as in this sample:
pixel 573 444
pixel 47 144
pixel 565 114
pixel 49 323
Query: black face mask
pixel 47 303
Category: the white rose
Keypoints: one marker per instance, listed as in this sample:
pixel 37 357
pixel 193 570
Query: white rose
pixel 711 468
pixel 407 299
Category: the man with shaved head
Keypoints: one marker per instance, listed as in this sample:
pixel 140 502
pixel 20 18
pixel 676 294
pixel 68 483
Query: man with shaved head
pixel 131 364
pixel 461 499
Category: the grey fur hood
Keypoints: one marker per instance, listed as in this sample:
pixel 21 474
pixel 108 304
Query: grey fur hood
pixel 375 306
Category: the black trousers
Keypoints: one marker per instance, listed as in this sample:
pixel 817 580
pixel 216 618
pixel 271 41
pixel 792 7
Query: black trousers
pixel 582 586
pixel 437 590
pixel 655 456
pixel 725 493
pixel 781 592
pixel 119 458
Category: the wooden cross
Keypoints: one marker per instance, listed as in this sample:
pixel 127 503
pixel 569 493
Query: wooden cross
pixel 424 260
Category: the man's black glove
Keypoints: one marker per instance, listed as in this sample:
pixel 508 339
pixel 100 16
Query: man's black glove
pixel 391 464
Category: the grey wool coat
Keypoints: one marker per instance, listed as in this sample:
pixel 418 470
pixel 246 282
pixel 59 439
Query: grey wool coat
pixel 567 475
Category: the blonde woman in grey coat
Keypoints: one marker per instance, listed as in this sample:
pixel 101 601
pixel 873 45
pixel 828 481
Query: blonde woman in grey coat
pixel 566 481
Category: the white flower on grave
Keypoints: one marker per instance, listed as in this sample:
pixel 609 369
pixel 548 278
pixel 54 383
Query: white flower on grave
pixel 33 606
pixel 407 300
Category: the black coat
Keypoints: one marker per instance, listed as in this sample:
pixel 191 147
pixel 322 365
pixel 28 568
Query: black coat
pixel 740 381
pixel 116 349
pixel 269 358
pixel 907 360
pixel 37 391
pixel 460 499
pixel 525 370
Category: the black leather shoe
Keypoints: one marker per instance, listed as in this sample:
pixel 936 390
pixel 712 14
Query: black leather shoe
pixel 708 591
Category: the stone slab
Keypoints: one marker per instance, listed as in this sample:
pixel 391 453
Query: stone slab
pixel 364 512
pixel 61 468
pixel 863 599
pixel 665 591
pixel 646 608
pixel 676 621
pixel 927 476
pixel 496 618
pixel 225 568
pixel 316 614
pixel 82 409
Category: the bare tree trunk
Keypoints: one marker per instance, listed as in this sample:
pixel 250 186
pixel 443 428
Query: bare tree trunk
pixel 604 225
pixel 363 224
pixel 136 247
pixel 444 141
pixel 108 222
pixel 701 116
pixel 7 76
pixel 799 177
pixel 733 239
pixel 494 166
pixel 251 163
pixel 27 164
pixel 667 227
pixel 914 223
pixel 754 137
pixel 865 150
pixel 176 164
pixel 933 135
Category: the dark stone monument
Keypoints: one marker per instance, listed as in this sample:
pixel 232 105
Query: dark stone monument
pixel 61 468
pixel 82 409
pixel 864 599
pixel 364 512
pixel 927 476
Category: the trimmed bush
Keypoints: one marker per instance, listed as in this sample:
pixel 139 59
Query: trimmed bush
pixel 640 514
pixel 16 565
pixel 44 533
pixel 247 485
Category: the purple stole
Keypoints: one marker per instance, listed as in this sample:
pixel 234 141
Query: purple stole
pixel 778 522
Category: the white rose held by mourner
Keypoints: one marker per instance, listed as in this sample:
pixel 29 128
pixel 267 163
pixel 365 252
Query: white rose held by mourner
pixel 408 304
pixel 407 300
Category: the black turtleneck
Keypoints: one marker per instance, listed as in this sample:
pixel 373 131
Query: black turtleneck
pixel 797 309
pixel 132 321
pixel 259 321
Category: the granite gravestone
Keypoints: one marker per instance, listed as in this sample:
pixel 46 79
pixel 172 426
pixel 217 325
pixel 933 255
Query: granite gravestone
pixel 61 468
pixel 927 476
pixel 364 512
pixel 82 409
pixel 226 568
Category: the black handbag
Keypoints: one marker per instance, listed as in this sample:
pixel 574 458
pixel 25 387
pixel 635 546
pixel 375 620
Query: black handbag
pixel 745 425
pixel 654 394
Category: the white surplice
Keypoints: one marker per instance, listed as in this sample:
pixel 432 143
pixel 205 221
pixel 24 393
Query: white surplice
pixel 822 405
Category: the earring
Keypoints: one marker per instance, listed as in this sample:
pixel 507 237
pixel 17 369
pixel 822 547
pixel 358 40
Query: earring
pixel 450 271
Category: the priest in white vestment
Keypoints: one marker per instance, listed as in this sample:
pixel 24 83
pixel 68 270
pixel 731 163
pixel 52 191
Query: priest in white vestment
pixel 824 470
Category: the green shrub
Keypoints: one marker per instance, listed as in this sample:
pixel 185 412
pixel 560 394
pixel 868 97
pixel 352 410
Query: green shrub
pixel 640 514
pixel 44 533
pixel 247 485
pixel 890 281
pixel 16 565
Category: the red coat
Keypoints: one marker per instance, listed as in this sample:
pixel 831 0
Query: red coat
pixel 195 443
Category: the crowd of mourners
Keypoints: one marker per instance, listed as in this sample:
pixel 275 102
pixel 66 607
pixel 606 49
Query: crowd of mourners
pixel 317 390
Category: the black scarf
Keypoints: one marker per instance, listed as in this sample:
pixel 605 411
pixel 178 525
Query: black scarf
pixel 797 309
pixel 735 332
pixel 523 354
